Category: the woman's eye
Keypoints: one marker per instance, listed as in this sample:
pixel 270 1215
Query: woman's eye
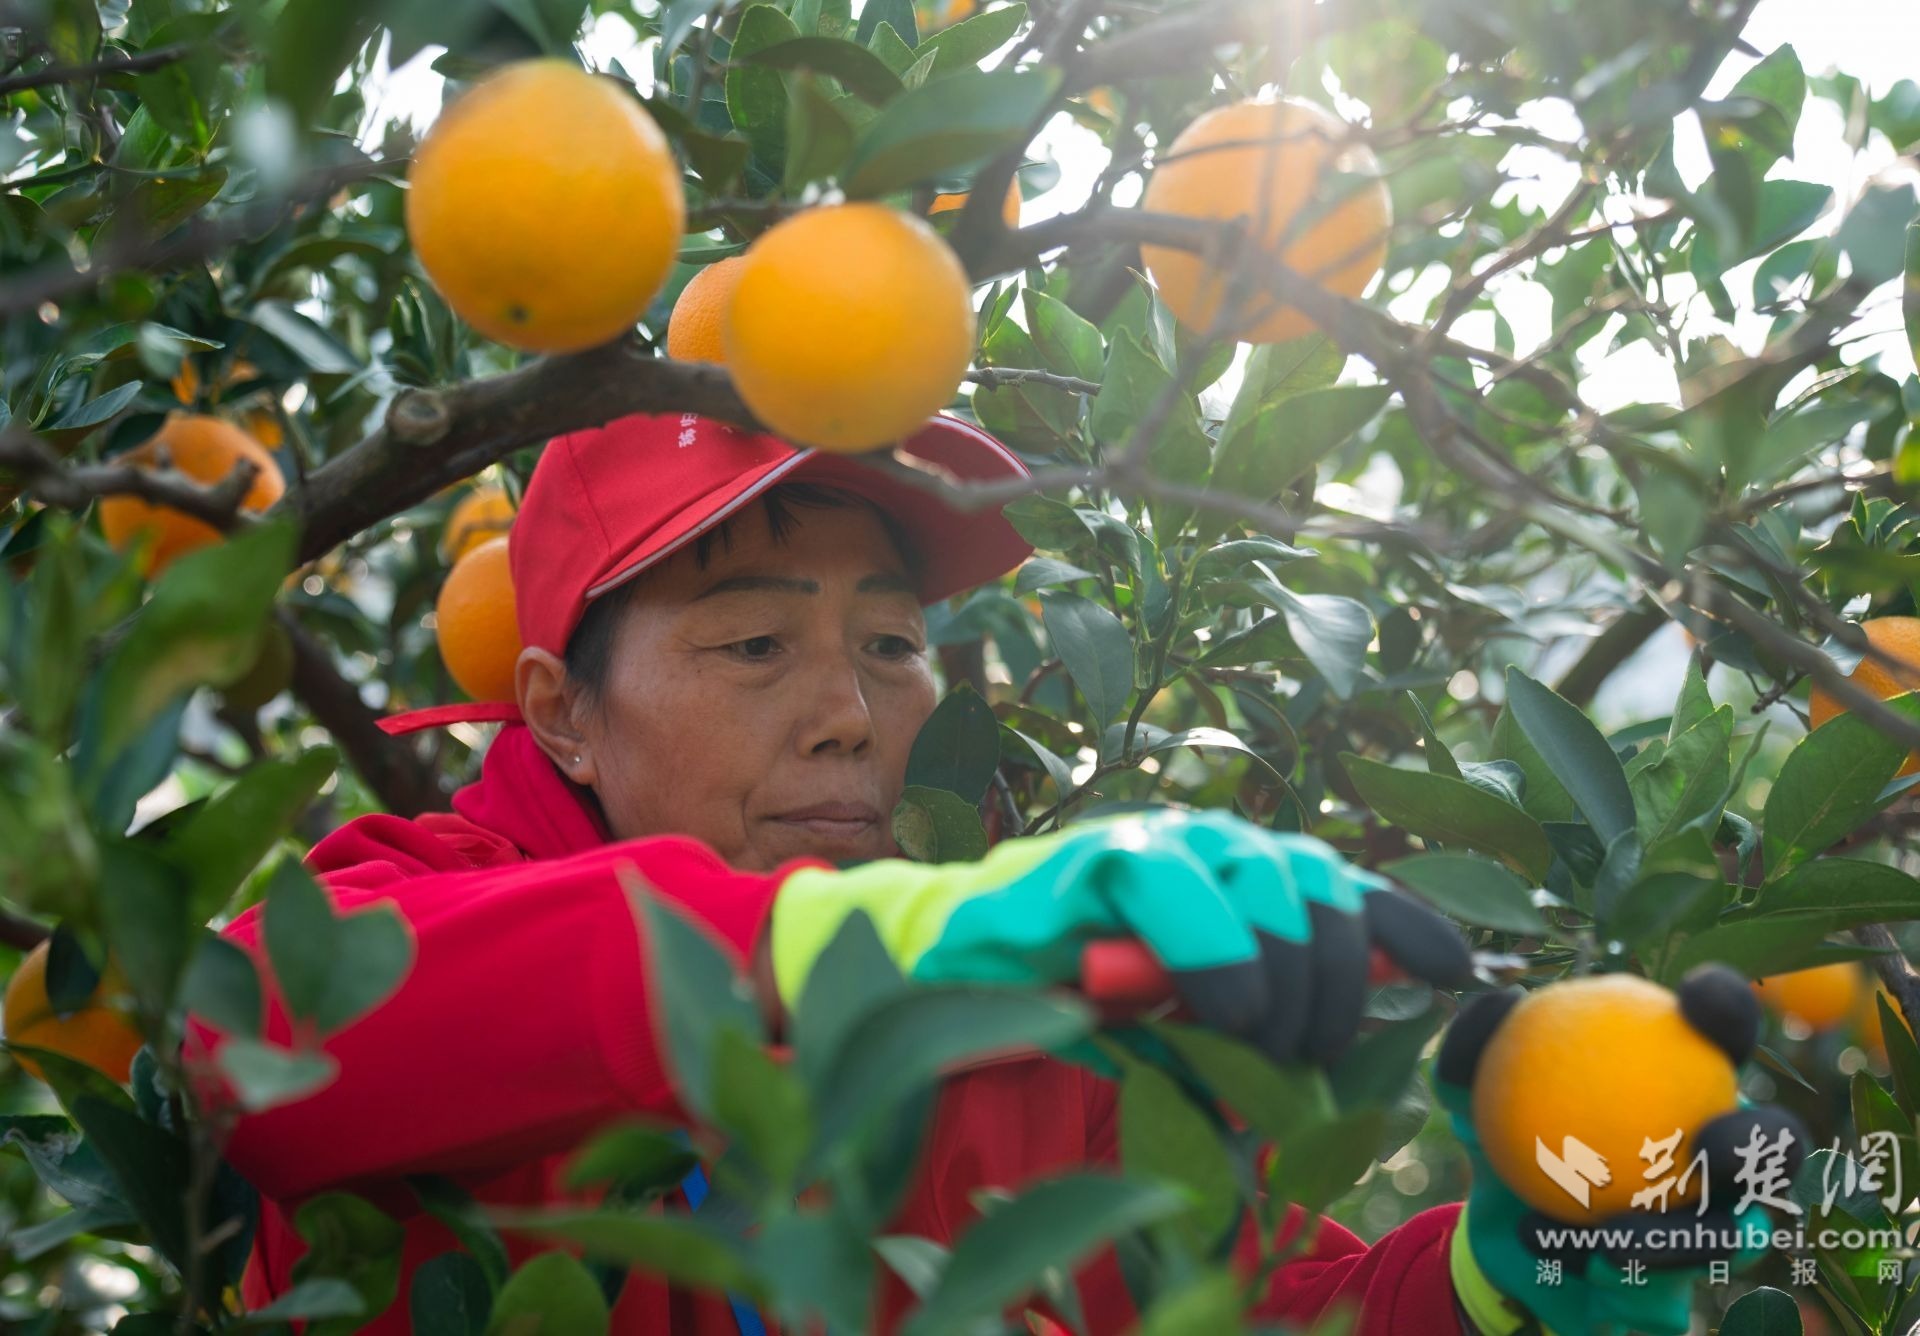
pixel 757 649
pixel 896 647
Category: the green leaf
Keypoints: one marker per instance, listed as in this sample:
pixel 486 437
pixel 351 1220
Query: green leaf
pixel 861 72
pixel 449 1297
pixel 1442 809
pixel 970 41
pixel 757 97
pixel 143 903
pixel 1688 782
pixel 305 338
pixel 1164 1137
pixel 201 627
pixel 1332 632
pixel 1096 649
pixel 1132 388
pixel 309 1301
pixel 1910 290
pixel 353 1240
pixel 1052 1225
pixel 148 1163
pixel 1067 342
pixel 947 125
pixel 1543 796
pixel 896 1050
pixel 936 826
pixel 1830 783
pixel 1574 750
pixel 1841 891
pixel 958 748
pixel 683 1251
pixel 228 835
pixel 465 1218
pixel 1375 1071
pixel 897 15
pixel 762 1104
pixel 1318 1164
pixel 1762 1311
pixel 1758 947
pixel 634 1158
pixel 222 987
pixel 95 411
pixel 821 1267
pixel 1261 456
pixel 1274 1101
pixel 263 1075
pixel 1695 703
pixel 1473 890
pixel 552 1294
pixel 819 131
pixel 698 992
pixel 854 975
pixel 331 968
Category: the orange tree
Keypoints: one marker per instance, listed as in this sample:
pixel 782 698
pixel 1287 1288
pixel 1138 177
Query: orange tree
pixel 1566 345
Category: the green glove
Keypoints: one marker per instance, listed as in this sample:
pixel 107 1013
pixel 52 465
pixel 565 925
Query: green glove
pixel 1502 1266
pixel 1265 934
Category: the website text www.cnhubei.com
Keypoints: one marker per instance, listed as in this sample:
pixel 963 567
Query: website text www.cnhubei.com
pixel 1708 1236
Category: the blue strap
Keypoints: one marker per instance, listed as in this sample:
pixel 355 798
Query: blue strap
pixel 744 1315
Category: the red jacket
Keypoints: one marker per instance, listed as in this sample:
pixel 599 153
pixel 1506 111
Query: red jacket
pixel 524 1026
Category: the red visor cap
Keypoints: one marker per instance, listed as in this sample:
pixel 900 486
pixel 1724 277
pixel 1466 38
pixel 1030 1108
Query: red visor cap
pixel 607 503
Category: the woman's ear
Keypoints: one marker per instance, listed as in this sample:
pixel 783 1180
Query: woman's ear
pixel 551 704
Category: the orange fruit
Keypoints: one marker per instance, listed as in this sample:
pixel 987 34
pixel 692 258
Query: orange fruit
pixel 96 1034
pixel 1897 636
pixel 484 513
pixel 475 623
pixel 850 326
pixel 696 332
pixel 1867 1026
pixel 546 206
pixel 1009 207
pixel 933 15
pixel 1269 163
pixel 205 449
pixel 1611 1061
pixel 1819 998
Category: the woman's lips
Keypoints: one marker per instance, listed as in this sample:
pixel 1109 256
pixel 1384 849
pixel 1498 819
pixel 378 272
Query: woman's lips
pixel 833 821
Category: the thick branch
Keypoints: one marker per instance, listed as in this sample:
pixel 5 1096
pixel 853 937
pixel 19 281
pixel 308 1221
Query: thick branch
pixel 405 784
pixel 435 437
pixel 49 479
pixel 1611 648
pixel 1894 970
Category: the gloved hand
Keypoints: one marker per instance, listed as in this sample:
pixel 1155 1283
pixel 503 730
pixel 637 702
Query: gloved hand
pixel 1266 935
pixel 1637 1279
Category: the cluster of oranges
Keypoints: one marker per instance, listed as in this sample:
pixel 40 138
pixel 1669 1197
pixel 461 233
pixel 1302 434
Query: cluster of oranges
pixel 845 326
pixel 1829 998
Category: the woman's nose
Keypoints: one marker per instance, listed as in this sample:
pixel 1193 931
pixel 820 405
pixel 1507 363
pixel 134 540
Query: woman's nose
pixel 838 716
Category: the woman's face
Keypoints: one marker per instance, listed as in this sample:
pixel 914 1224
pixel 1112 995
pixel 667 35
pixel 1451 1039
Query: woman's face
pixel 766 704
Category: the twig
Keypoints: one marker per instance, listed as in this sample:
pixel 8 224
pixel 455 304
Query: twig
pixel 49 480
pixel 995 376
pixel 121 64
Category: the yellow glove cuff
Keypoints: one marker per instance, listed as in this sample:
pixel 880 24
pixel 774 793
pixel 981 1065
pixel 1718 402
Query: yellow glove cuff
pixel 1491 1312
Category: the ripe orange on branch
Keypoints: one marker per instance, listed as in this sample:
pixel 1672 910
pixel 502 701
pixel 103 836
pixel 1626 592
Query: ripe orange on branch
pixel 484 513
pixel 1610 1061
pixel 475 624
pixel 696 332
pixel 1895 636
pixel 1820 998
pixel 95 1034
pixel 850 326
pixel 546 206
pixel 1009 207
pixel 206 450
pixel 1309 200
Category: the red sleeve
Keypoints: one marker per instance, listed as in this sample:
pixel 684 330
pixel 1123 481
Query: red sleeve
pixel 1398 1284
pixel 522 1025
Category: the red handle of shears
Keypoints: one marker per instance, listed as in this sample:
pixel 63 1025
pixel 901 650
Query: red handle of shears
pixel 1120 974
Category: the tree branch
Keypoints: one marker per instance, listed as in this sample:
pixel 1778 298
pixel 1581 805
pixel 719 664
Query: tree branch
pixel 404 783
pixel 48 478
pixel 120 64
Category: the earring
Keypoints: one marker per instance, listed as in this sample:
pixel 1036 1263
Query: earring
pixel 576 758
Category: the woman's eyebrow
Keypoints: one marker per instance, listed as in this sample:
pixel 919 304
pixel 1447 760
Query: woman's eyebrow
pixel 883 582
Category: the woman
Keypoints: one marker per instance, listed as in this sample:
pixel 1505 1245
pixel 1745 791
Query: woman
pixel 725 669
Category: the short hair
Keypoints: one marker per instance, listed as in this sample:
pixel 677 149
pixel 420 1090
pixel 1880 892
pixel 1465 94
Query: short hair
pixel 589 653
